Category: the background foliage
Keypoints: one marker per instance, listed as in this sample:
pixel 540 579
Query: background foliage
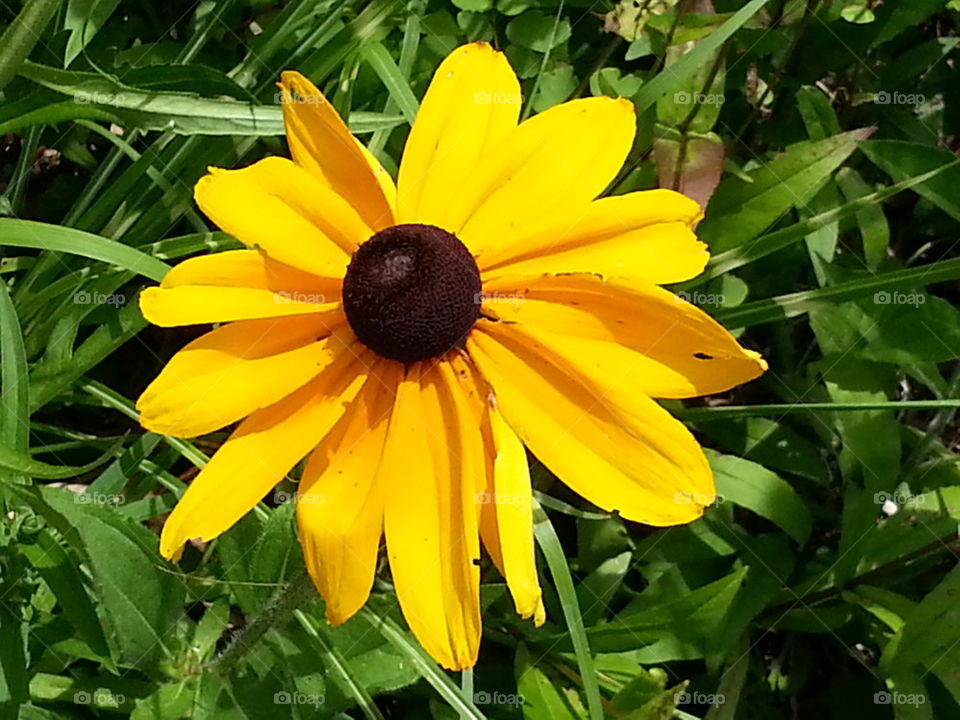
pixel 823 584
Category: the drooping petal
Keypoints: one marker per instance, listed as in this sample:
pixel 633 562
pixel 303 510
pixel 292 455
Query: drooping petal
pixel 340 502
pixel 321 143
pixel 638 461
pixel 285 211
pixel 514 503
pixel 506 501
pixel 200 304
pixel 236 369
pixel 635 335
pixel 554 162
pixel 431 469
pixel 645 236
pixel 263 449
pixel 472 103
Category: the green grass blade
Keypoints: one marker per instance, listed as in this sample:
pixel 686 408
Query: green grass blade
pixel 41 236
pixel 424 663
pixel 800 303
pixel 22 34
pixel 383 64
pixel 690 63
pixel 562 580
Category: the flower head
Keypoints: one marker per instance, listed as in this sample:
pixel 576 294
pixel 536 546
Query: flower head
pixel 411 339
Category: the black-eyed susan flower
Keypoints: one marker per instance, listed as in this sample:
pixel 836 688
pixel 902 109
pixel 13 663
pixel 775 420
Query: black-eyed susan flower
pixel 410 339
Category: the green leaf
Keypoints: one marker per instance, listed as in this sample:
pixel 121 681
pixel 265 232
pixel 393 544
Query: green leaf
pixel 23 464
pixel 176 112
pixel 902 160
pixel 60 572
pixel 762 491
pixel 538 32
pixel 83 20
pixel 141 602
pixel 542 699
pixel 679 627
pixel 13 660
pixel 14 380
pixel 741 210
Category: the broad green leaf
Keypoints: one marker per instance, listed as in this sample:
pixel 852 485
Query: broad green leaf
pixel 142 603
pixel 902 160
pixel 762 491
pixel 768 442
pixel 541 698
pixel 538 32
pixel 741 210
pixel 681 625
pixel 62 575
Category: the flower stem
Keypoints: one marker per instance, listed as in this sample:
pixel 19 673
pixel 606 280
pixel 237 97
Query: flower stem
pixel 297 593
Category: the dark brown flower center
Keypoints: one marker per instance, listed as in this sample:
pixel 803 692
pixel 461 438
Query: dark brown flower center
pixel 412 292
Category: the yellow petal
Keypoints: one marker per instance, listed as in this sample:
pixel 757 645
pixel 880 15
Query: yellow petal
pixel 248 268
pixel 637 461
pixel 554 162
pixel 505 501
pixel 670 348
pixel 321 143
pixel 431 469
pixel 263 449
pixel 340 504
pixel 514 502
pixel 234 370
pixel 472 103
pixel 643 235
pixel 199 304
pixel 282 209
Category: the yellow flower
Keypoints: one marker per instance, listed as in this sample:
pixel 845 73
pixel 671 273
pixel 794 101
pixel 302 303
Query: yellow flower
pixel 412 338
